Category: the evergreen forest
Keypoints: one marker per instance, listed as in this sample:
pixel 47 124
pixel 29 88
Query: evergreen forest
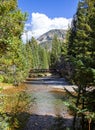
pixel 73 58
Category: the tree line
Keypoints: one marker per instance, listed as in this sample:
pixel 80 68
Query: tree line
pixel 17 58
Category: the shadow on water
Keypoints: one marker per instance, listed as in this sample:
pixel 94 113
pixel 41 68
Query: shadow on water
pixel 48 122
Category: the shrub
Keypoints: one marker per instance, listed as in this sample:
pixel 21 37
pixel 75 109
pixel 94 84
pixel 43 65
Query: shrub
pixel 1 78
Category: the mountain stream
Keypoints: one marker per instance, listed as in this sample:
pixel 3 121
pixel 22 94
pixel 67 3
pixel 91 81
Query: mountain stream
pixel 48 111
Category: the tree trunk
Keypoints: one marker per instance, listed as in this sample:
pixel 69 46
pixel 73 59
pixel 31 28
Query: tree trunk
pixel 77 103
pixel 83 104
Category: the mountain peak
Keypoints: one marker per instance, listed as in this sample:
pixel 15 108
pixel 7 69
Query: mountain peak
pixel 48 36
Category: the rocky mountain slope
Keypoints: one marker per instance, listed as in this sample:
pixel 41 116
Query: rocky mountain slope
pixel 46 38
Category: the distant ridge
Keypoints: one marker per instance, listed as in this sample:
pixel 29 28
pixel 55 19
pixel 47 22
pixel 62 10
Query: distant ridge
pixel 46 38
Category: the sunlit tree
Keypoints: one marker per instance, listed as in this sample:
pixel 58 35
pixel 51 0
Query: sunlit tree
pixel 81 52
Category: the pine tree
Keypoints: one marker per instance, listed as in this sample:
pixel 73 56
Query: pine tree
pixel 12 24
pixel 44 59
pixel 55 52
pixel 81 53
pixel 34 49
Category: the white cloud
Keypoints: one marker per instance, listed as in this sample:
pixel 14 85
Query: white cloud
pixel 40 23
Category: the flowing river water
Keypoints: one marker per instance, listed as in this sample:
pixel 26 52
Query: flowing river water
pixel 48 111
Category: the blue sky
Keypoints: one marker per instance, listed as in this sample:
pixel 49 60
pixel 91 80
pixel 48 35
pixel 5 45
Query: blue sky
pixel 45 15
pixel 52 8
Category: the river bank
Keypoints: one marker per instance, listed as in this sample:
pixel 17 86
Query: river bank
pixel 46 110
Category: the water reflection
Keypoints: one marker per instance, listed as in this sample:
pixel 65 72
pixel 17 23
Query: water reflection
pixel 48 112
pixel 48 103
